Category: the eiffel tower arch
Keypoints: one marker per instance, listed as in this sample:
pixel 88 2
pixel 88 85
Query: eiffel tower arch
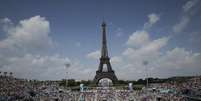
pixel 104 61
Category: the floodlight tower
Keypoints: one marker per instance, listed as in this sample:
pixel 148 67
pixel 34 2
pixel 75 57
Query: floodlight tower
pixel 67 66
pixel 145 63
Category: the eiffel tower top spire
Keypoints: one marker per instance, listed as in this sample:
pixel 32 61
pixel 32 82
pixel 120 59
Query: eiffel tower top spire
pixel 104 51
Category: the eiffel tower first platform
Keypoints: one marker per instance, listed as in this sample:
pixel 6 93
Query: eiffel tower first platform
pixel 104 61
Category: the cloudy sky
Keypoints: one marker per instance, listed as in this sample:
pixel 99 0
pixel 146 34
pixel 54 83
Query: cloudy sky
pixel 38 37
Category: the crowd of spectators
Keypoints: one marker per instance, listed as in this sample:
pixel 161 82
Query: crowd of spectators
pixel 13 89
pixel 179 91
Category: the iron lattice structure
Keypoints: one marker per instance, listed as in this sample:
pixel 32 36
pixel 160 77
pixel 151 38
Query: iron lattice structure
pixel 104 60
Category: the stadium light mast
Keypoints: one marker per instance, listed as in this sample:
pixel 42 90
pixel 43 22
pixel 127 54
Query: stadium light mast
pixel 67 66
pixel 145 63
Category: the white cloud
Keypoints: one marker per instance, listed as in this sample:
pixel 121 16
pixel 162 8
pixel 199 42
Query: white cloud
pixel 179 27
pixel 189 5
pixel 162 63
pixel 150 50
pixel 153 18
pixel 80 71
pixel 30 34
pixel 37 67
pixel 5 21
pixel 24 51
pixel 5 24
pixel 116 60
pixel 94 55
pixel 138 38
pixel 186 16
pixel 178 61
pixel 181 58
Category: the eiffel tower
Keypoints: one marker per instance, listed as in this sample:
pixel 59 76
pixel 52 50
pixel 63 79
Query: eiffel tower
pixel 105 61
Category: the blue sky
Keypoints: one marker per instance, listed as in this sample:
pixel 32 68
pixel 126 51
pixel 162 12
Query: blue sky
pixel 74 32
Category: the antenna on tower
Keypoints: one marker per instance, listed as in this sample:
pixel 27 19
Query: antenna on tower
pixel 103 10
